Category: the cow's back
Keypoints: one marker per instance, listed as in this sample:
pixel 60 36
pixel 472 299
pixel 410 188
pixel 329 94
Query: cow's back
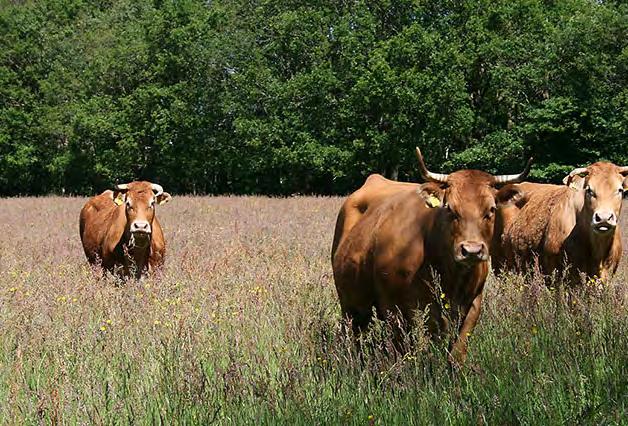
pixel 376 190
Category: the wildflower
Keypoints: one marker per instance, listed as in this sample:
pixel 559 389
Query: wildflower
pixel 442 295
pixel 108 321
pixel 157 322
pixel 447 306
pixel 13 289
pixel 103 328
pixel 534 329
pixel 74 300
pixel 468 334
pixel 371 417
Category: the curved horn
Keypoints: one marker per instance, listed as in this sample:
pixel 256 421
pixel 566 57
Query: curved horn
pixel 504 179
pixel 426 174
pixel 121 187
pixel 157 188
pixel 578 171
pixel 623 170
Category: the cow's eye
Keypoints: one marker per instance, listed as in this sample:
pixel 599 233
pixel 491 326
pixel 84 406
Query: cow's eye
pixel 152 204
pixel 590 192
pixel 451 212
pixel 490 213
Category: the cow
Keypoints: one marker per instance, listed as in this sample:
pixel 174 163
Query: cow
pixel 120 230
pixel 392 238
pixel 573 225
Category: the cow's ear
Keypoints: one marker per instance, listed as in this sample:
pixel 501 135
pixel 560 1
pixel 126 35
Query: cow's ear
pixel 576 182
pixel 163 198
pixel 118 197
pixel 433 193
pixel 509 194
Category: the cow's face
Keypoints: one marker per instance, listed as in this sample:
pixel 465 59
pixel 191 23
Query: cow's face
pixel 602 186
pixel 139 200
pixel 469 200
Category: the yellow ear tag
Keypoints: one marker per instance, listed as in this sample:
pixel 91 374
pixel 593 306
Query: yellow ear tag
pixel 118 201
pixel 432 201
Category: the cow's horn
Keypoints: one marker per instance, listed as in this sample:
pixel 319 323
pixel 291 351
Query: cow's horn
pixel 623 170
pixel 157 188
pixel 574 172
pixel 121 187
pixel 426 174
pixel 504 179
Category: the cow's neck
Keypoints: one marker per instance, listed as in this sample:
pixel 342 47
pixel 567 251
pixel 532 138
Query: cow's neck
pixel 462 283
pixel 136 255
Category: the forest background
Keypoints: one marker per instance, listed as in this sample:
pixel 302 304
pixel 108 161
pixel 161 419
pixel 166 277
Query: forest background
pixel 282 97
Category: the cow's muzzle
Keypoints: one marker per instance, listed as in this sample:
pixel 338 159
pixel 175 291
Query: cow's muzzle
pixel 140 234
pixel 604 221
pixel 471 252
pixel 140 227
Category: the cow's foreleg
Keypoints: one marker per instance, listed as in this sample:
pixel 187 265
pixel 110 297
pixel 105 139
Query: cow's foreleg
pixel 458 351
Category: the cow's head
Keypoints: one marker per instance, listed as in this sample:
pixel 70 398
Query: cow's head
pixel 467 201
pixel 139 200
pixel 603 186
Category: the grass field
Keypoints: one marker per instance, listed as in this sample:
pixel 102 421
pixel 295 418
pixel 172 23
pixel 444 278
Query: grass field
pixel 243 328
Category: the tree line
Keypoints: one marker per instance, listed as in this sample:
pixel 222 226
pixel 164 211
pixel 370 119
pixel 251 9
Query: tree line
pixel 283 97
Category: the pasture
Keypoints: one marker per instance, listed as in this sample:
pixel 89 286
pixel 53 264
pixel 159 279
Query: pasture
pixel 243 328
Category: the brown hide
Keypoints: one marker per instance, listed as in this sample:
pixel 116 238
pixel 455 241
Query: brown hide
pixel 555 226
pixel 375 189
pixel 390 240
pixel 126 239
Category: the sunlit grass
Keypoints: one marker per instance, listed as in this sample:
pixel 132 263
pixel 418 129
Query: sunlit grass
pixel 243 327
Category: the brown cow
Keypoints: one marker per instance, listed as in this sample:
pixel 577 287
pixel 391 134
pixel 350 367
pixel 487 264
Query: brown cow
pixel 575 223
pixel 125 238
pixel 394 236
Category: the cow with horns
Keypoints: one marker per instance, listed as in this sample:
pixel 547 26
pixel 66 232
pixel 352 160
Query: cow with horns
pixel 574 224
pixel 391 238
pixel 120 231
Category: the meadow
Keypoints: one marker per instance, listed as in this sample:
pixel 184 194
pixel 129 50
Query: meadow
pixel 243 327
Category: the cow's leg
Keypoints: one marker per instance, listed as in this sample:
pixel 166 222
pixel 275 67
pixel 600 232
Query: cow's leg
pixel 458 352
pixel 398 313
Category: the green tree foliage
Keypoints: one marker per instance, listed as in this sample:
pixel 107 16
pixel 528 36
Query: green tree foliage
pixel 281 96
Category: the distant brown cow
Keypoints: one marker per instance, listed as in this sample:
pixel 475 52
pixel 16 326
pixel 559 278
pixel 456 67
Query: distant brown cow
pixel 573 224
pixel 391 237
pixel 125 238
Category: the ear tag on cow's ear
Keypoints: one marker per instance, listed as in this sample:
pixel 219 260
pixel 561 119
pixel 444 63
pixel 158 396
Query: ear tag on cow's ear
pixel 432 201
pixel 118 200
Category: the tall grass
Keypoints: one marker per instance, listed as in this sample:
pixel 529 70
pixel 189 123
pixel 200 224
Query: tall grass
pixel 243 328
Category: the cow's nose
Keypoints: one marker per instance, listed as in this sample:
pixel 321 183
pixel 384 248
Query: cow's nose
pixel 140 226
pixel 604 217
pixel 472 249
